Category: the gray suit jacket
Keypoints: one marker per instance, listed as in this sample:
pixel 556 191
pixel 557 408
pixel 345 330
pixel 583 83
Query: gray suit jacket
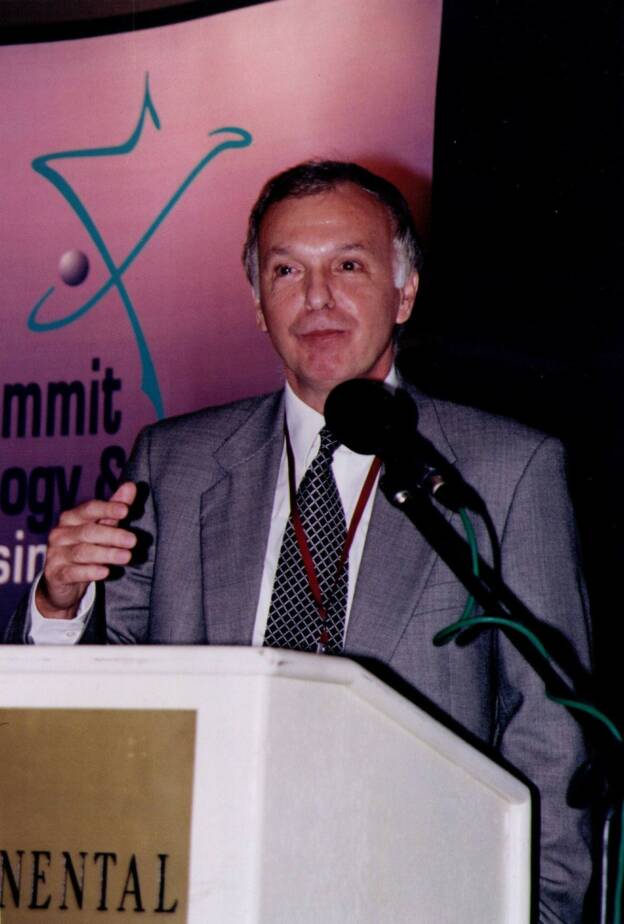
pixel 212 479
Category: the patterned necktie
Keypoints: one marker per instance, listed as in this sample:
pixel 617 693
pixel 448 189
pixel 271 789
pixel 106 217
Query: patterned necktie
pixel 294 620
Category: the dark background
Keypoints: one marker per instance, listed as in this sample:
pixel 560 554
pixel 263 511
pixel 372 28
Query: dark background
pixel 520 310
pixel 522 304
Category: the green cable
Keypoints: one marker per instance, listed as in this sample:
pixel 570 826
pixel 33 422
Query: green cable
pixel 445 635
pixel 591 710
pixel 472 539
pixel 467 621
pixel 474 555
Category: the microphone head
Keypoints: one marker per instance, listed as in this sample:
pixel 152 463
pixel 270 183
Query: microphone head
pixel 367 417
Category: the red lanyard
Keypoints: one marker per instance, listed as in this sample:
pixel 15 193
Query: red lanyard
pixel 302 542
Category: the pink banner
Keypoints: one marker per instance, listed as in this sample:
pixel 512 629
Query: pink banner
pixel 130 164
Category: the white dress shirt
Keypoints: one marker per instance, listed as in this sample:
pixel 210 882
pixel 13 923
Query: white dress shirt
pixel 59 631
pixel 350 470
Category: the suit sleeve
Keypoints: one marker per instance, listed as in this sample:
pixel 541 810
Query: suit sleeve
pixel 121 610
pixel 127 598
pixel 17 629
pixel 541 564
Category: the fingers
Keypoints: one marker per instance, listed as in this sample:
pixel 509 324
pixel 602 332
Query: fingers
pixel 91 533
pixel 78 555
pixel 93 511
pixel 82 548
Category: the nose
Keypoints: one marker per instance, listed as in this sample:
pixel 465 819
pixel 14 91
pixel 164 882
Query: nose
pixel 318 292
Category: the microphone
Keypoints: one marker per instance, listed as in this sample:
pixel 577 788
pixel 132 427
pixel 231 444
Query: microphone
pixel 368 418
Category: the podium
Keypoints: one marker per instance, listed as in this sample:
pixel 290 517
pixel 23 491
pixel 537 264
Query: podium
pixel 244 786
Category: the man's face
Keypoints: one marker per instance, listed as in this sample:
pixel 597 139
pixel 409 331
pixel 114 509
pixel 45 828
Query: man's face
pixel 328 296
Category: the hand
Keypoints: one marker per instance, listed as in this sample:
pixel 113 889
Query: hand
pixel 86 542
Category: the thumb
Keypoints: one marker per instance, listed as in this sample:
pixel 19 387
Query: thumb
pixel 125 494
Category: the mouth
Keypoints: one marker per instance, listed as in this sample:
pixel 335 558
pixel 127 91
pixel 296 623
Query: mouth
pixel 321 335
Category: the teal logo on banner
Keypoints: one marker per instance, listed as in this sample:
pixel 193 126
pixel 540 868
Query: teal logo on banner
pixel 239 138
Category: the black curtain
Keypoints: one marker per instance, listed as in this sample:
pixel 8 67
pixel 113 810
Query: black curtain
pixel 522 307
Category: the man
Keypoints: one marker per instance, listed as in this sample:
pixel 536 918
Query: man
pixel 333 261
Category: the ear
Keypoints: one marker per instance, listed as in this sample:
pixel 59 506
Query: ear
pixel 259 313
pixel 407 298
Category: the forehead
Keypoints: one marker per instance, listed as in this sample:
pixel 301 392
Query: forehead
pixel 344 214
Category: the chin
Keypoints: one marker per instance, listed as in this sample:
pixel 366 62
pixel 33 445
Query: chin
pixel 323 372
pixel 328 376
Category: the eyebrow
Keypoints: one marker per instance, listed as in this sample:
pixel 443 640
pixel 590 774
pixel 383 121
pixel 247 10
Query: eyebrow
pixel 277 252
pixel 356 245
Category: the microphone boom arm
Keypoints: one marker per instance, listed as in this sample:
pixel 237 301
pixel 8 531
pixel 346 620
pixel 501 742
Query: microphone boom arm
pixel 496 598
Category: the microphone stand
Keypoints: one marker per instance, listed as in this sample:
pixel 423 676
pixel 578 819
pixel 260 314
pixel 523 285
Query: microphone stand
pixel 496 599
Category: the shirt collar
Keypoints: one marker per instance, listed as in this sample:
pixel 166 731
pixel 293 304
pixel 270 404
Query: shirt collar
pixel 305 424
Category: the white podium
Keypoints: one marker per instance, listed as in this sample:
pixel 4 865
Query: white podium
pixel 239 786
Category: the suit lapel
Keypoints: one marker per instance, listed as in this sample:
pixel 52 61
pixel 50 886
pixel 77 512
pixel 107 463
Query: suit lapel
pixel 396 563
pixel 235 519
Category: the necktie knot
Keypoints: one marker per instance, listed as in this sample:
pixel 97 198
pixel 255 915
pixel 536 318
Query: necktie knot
pixel 329 444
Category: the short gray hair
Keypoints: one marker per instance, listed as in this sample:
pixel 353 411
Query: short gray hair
pixel 317 176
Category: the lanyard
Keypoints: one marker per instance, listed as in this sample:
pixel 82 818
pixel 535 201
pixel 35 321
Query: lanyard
pixel 302 542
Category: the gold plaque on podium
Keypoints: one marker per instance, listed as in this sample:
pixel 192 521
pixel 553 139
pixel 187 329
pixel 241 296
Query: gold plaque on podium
pixel 95 814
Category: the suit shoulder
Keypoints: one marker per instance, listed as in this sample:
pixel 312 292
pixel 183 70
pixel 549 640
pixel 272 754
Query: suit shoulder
pixel 500 458
pixel 462 423
pixel 212 424
pixel 479 441
pixel 192 442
